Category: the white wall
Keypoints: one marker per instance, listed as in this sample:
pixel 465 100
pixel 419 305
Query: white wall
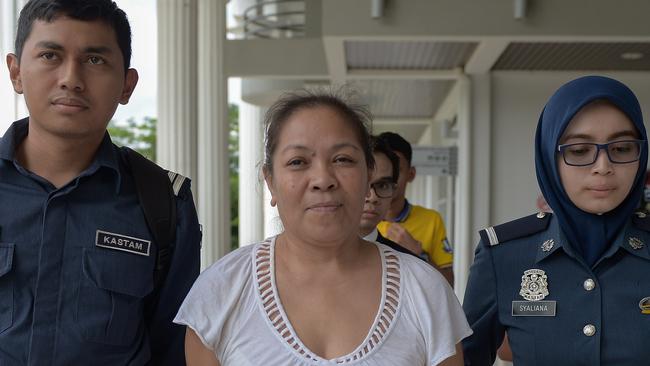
pixel 517 100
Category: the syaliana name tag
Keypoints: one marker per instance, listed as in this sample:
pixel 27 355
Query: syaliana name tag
pixel 533 308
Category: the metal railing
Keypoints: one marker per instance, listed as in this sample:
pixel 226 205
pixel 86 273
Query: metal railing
pixel 275 19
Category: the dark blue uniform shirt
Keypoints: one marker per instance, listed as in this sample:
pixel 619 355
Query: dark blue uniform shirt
pixel 65 300
pixel 598 319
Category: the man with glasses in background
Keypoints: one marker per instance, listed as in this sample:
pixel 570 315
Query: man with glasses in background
pixel 383 185
pixel 419 229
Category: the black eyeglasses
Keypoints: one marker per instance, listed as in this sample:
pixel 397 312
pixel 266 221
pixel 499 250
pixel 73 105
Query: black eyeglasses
pixel 384 188
pixel 618 152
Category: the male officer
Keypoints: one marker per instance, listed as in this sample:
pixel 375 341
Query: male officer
pixel 414 227
pixel 76 255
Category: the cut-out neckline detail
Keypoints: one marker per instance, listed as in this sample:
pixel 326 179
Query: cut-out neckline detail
pixel 264 258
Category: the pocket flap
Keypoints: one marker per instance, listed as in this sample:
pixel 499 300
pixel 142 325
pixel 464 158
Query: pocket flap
pixel 119 272
pixel 6 258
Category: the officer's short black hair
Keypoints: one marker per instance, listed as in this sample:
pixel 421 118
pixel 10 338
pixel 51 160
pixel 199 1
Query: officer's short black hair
pixel 357 115
pixel 380 146
pixel 86 10
pixel 397 143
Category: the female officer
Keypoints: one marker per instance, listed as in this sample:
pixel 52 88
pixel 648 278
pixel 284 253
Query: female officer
pixel 318 294
pixel 571 288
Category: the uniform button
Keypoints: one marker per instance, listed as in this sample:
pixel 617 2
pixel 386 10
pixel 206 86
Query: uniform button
pixel 589 330
pixel 589 284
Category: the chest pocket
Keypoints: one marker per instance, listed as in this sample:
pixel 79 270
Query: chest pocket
pixel 6 286
pixel 111 295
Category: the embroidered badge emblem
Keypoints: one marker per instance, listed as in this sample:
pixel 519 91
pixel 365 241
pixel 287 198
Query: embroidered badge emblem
pixel 534 285
pixel 548 245
pixel 644 305
pixel 635 243
pixel 124 243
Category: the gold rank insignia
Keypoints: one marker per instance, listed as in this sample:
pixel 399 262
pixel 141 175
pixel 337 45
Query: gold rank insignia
pixel 644 305
pixel 635 243
pixel 534 285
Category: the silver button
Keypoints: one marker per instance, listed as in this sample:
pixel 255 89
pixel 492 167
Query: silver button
pixel 589 284
pixel 641 214
pixel 589 330
pixel 541 215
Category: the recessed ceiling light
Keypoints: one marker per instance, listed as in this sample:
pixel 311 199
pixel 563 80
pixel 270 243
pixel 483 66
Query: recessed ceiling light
pixel 631 56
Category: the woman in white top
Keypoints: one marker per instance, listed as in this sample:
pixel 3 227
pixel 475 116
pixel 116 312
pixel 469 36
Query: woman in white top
pixel 318 294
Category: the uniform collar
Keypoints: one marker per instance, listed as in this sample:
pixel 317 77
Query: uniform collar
pixel 630 238
pixel 552 242
pixel 404 214
pixel 635 241
pixel 14 135
pixel 106 156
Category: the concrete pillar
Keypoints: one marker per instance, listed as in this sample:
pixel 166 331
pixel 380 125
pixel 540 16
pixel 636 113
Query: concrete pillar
pixel 177 86
pixel 7 18
pixel 431 193
pixel 464 253
pixel 213 131
pixel 416 193
pixel 13 105
pixel 251 184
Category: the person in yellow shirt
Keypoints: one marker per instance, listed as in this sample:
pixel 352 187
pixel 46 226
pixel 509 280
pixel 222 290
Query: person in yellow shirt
pixel 419 229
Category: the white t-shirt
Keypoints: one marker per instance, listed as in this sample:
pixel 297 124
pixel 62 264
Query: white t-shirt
pixel 235 309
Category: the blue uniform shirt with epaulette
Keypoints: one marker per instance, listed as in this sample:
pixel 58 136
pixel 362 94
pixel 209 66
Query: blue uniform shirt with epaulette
pixel 527 280
pixel 77 266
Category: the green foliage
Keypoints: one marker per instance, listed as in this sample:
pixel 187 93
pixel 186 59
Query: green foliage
pixel 141 136
pixel 138 135
pixel 233 157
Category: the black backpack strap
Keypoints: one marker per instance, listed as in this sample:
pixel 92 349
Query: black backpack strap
pixel 156 193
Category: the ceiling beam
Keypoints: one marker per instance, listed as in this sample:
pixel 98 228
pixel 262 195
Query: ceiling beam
pixel 449 107
pixel 335 55
pixel 382 121
pixel 275 58
pixel 486 55
pixel 391 74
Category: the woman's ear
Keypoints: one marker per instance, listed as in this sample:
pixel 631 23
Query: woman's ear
pixel 268 178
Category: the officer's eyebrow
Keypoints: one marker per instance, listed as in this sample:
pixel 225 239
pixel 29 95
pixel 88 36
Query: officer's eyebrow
pixel 584 136
pixel 102 50
pixel 50 45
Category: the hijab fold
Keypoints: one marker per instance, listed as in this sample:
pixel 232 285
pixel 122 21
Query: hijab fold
pixel 591 235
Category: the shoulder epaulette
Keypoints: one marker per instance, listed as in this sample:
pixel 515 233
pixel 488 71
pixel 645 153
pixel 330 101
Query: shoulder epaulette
pixel 642 220
pixel 177 181
pixel 515 229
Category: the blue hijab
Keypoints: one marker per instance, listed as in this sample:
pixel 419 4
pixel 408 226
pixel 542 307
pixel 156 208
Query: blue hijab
pixel 590 234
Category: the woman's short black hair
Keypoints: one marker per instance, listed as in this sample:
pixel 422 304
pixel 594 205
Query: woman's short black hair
pixel 86 10
pixel 356 115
